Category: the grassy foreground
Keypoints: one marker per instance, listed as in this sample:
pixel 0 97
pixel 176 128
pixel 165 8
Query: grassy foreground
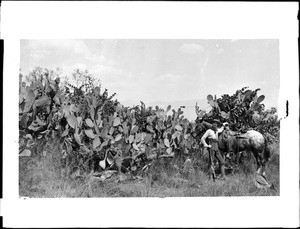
pixel 44 176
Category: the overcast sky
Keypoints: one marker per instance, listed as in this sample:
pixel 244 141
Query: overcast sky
pixel 164 70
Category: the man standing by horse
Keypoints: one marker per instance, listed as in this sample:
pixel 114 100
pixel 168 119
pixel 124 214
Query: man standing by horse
pixel 211 135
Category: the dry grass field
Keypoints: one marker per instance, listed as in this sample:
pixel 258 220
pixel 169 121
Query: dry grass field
pixel 44 176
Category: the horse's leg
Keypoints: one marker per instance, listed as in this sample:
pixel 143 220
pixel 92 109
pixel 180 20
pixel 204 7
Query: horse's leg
pixel 227 159
pixel 258 161
pixel 245 155
pixel 263 168
pixel 229 150
pixel 236 150
pixel 241 157
pixel 265 158
pixel 263 164
pixel 237 157
pixel 223 154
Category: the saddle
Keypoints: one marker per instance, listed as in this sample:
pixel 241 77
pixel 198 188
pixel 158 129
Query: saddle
pixel 236 134
pixel 240 135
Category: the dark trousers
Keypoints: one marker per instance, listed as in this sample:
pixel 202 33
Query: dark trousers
pixel 214 152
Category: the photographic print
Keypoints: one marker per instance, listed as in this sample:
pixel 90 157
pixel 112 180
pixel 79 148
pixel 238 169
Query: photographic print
pixel 149 118
pixel 150 114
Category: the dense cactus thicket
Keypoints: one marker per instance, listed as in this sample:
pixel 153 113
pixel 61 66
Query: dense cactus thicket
pixel 243 110
pixel 98 132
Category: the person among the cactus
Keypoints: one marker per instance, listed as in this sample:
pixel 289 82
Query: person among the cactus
pixel 211 135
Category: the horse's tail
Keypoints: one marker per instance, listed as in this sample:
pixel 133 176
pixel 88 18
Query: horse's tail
pixel 267 152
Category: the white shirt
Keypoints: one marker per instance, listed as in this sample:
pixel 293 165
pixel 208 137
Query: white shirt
pixel 211 134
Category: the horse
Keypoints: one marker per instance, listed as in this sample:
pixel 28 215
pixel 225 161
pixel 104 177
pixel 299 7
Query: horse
pixel 236 143
pixel 250 141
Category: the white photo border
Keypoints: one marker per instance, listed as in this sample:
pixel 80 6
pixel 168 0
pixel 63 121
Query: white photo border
pixel 153 20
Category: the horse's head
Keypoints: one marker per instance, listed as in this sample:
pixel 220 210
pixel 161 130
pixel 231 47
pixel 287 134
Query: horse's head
pixel 227 141
pixel 222 137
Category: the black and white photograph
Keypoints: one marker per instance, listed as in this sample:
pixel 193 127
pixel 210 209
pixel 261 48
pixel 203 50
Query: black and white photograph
pixel 150 114
pixel 149 118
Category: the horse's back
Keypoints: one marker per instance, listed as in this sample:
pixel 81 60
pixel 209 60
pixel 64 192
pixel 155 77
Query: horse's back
pixel 252 140
pixel 256 139
pixel 255 135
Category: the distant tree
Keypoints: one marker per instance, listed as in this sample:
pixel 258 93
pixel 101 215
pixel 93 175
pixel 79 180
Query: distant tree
pixel 83 79
pixel 38 73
